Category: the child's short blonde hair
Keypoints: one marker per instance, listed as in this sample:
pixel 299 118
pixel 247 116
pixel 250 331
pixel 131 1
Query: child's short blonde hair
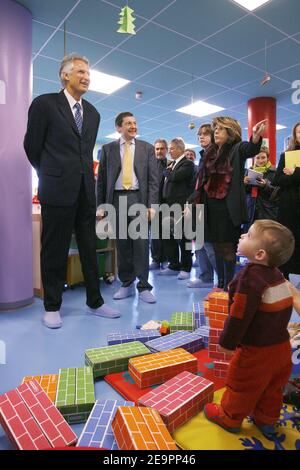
pixel 277 240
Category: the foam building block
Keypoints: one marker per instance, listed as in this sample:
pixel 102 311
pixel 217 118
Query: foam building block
pixel 199 316
pixel 138 428
pixel 182 321
pixel 214 348
pixel 179 399
pixel 203 331
pixel 47 382
pixel 159 367
pixel 114 358
pixel 75 396
pixel 132 335
pixel 181 339
pixel 98 432
pixel 218 309
pixel 31 420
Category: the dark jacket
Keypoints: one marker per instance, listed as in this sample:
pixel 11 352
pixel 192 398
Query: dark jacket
pixel 58 152
pixel 236 197
pixel 178 183
pixel 289 209
pixel 261 206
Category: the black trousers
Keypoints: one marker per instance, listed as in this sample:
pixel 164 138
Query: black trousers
pixel 157 246
pixel 133 255
pixel 58 223
pixel 172 248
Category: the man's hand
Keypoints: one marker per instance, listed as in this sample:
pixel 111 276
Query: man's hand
pixel 151 213
pixel 187 212
pixel 100 214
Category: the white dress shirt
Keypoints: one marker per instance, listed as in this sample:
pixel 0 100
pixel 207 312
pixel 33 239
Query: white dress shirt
pixel 72 102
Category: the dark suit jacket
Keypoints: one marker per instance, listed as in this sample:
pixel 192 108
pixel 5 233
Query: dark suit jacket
pixel 178 185
pixel 145 167
pixel 57 151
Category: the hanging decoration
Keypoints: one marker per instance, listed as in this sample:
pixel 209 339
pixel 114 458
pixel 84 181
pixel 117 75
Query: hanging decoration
pixel 191 124
pixel 126 21
pixel 266 77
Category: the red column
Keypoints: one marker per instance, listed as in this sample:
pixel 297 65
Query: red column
pixel 264 108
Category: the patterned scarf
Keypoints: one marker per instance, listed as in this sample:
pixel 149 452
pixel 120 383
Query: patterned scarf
pixel 216 172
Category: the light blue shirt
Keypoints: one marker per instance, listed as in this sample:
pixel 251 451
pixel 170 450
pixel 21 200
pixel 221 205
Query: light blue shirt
pixel 118 185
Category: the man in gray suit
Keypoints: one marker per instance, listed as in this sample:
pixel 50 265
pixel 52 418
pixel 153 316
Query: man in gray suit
pixel 128 169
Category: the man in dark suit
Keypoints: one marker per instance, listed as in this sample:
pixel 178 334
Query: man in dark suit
pixel 128 173
pixel 157 247
pixel 176 190
pixel 61 134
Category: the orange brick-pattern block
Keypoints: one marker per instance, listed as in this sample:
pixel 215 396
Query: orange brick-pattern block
pixel 159 367
pixel 218 309
pixel 206 307
pixel 220 369
pixel 214 348
pixel 179 399
pixel 141 429
pixel 47 382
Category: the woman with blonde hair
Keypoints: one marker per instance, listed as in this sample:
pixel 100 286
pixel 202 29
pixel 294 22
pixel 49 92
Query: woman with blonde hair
pixel 222 190
pixel 288 179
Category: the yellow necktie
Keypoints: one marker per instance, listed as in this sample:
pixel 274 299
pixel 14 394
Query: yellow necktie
pixel 127 179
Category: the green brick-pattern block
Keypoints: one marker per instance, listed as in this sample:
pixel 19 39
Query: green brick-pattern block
pixel 75 396
pixel 182 321
pixel 113 358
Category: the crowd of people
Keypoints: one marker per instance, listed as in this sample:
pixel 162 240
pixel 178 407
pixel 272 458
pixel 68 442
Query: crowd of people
pixel 254 216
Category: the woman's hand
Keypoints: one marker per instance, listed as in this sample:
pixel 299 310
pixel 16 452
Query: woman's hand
pixel 261 182
pixel 247 180
pixel 258 130
pixel 288 171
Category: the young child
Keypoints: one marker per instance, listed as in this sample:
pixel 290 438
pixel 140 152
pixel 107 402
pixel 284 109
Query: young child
pixel 256 333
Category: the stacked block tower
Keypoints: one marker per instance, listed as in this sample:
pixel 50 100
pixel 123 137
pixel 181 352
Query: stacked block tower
pixel 217 309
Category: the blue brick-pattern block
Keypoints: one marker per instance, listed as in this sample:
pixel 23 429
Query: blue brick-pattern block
pixel 132 335
pixel 203 331
pixel 98 431
pixel 180 339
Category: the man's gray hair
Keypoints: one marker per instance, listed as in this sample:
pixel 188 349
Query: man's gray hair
pixel 179 143
pixel 67 65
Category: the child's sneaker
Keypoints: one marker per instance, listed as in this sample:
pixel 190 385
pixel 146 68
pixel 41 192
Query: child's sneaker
pixel 268 430
pixel 212 413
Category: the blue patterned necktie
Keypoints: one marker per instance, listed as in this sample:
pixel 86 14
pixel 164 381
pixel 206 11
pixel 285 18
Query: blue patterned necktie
pixel 78 117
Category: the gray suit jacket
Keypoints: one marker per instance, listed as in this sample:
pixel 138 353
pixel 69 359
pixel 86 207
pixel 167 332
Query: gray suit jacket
pixel 145 167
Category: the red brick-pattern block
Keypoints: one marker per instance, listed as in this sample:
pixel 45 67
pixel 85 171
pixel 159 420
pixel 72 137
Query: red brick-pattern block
pixel 141 429
pixel 214 348
pixel 159 367
pixel 220 369
pixel 31 420
pixel 179 399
